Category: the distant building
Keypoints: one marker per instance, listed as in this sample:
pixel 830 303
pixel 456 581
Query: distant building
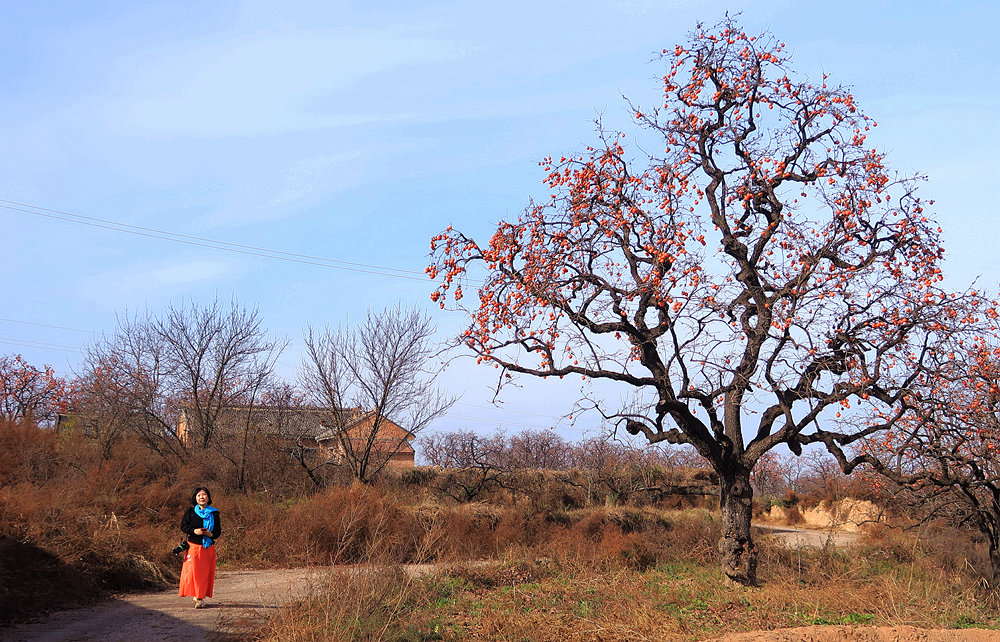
pixel 391 440
pixel 71 421
pixel 309 427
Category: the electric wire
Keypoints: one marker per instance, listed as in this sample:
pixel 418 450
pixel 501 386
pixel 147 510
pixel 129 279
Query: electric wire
pixel 198 241
pixel 28 343
pixel 46 325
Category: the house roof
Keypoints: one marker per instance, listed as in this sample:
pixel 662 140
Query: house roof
pixel 307 421
pixel 320 423
pixel 396 436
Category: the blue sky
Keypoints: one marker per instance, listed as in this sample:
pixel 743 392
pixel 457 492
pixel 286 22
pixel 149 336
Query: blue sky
pixel 356 131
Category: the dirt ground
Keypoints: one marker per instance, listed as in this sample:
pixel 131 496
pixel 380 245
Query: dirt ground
pixel 793 537
pixel 242 597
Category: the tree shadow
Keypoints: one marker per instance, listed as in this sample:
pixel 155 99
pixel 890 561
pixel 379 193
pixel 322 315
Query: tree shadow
pixel 114 620
pixel 117 619
pixel 33 581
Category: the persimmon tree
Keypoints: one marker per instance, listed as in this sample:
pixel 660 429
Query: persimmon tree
pixel 29 392
pixel 944 455
pixel 748 272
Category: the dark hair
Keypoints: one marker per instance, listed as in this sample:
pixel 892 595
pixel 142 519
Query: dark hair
pixel 194 495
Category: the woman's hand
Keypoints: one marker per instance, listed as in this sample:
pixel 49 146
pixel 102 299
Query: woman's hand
pixel 199 531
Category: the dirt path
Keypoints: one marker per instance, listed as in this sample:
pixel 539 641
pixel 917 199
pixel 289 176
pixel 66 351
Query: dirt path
pixel 242 597
pixel 794 537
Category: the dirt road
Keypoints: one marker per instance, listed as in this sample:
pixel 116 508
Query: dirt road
pixel 242 597
pixel 794 537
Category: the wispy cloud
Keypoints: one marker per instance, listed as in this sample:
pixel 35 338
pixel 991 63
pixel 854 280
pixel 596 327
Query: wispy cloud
pixel 313 177
pixel 144 278
pixel 269 84
pixel 282 191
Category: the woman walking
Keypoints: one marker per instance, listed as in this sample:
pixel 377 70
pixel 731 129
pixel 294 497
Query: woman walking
pixel 202 526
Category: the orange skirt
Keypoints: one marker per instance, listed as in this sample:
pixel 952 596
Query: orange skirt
pixel 198 572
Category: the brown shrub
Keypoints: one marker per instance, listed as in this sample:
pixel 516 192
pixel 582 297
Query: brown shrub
pixel 793 515
pixel 27 453
pixel 343 524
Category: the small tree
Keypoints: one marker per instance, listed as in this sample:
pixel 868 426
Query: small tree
pixel 474 465
pixel 381 368
pixel 28 392
pixel 752 275
pixel 541 449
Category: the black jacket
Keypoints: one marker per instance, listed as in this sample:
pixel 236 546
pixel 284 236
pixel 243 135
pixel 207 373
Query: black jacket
pixel 191 521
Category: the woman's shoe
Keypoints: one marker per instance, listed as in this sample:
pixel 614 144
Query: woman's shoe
pixel 198 603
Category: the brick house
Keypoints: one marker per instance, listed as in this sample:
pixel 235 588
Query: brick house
pixel 391 439
pixel 310 427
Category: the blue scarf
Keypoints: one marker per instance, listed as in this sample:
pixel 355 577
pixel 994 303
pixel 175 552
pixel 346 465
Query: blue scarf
pixel 207 515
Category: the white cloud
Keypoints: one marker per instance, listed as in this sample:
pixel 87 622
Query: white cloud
pixel 143 278
pixel 315 177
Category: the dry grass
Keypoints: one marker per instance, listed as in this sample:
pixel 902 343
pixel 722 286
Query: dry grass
pixel 605 598
pixel 622 573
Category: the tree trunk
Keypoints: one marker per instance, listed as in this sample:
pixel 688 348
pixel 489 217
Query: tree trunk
pixel 995 562
pixel 739 553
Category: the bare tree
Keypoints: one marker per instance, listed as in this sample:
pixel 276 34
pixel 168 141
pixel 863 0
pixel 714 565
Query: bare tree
pixel 542 449
pixel 382 369
pixel 217 359
pixel 191 361
pixel 474 464
pixel 130 382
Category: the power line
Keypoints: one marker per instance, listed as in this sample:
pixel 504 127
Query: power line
pixel 27 343
pixel 46 325
pixel 199 241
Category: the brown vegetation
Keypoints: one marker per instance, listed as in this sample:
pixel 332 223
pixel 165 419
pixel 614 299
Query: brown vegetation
pixel 601 580
pixel 541 557
pixel 83 521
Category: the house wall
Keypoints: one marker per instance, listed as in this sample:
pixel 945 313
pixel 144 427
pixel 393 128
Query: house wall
pixel 401 460
pixel 391 437
pixel 183 430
